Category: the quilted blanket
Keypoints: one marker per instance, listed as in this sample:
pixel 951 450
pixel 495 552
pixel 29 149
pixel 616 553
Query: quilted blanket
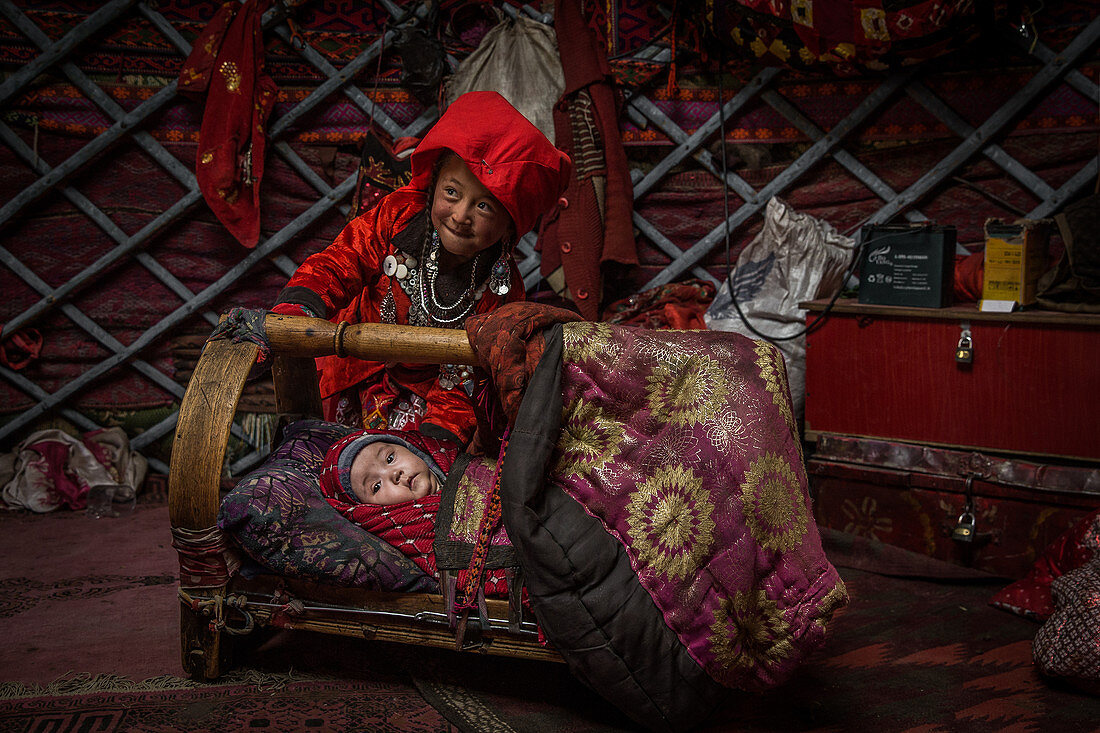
pixel 683 445
pixel 656 495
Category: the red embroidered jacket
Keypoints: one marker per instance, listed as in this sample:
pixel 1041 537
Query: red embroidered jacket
pixel 345 281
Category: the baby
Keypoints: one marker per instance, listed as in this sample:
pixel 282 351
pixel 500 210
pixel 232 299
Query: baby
pixel 383 468
pixel 389 482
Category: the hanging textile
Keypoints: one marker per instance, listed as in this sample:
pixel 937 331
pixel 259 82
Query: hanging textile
pixel 226 66
pixel 592 223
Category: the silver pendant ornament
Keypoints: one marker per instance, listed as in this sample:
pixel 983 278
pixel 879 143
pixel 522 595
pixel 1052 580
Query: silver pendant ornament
pixel 500 281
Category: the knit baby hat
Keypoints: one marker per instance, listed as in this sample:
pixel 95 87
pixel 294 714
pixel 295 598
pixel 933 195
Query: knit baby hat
pixel 439 455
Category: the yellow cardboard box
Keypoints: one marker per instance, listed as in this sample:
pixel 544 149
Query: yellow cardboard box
pixel 1015 257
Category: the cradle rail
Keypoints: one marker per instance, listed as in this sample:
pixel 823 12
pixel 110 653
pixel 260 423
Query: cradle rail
pixel 216 605
pixel 208 406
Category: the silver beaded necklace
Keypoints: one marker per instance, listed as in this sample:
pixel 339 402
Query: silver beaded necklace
pixel 444 313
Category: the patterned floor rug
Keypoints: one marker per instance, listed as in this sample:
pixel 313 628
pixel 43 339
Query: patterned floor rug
pixel 89 623
pixel 908 654
pixel 243 701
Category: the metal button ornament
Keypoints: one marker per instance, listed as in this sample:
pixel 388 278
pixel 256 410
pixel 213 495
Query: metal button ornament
pixel 389 265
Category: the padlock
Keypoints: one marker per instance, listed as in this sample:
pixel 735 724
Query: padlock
pixel 964 530
pixel 964 352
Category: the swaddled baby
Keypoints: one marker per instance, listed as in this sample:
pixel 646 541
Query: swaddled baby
pixel 384 468
pixel 389 483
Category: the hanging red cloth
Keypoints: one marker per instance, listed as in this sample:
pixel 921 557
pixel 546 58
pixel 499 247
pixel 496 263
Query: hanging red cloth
pixel 226 66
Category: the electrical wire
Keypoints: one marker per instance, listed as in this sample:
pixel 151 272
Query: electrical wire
pixel 819 319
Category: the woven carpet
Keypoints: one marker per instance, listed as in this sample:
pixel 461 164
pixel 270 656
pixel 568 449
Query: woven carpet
pixel 908 654
pixel 89 619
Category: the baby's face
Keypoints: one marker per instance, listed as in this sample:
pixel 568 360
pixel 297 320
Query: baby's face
pixel 385 473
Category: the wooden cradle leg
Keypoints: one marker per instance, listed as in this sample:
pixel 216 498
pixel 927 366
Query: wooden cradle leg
pixel 198 454
pixel 204 655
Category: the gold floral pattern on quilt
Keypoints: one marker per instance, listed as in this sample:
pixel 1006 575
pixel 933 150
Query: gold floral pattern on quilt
pixel 670 522
pixel 774 373
pixel 749 631
pixel 683 445
pixel 588 441
pixel 585 341
pixel 673 446
pixel 775 509
pixel 731 432
pixel 773 370
pixel 686 392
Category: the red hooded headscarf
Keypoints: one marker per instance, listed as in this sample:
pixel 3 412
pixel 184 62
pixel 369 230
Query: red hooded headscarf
pixel 509 155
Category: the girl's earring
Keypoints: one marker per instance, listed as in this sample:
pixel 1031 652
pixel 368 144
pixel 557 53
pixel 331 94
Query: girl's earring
pixel 500 281
pixel 431 262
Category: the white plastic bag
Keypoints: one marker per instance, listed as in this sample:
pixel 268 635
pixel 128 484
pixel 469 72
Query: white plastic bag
pixel 794 258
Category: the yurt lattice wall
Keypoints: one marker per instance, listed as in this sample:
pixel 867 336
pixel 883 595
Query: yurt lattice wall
pixel 104 235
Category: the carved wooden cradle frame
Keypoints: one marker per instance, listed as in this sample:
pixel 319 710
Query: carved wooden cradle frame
pixel 220 609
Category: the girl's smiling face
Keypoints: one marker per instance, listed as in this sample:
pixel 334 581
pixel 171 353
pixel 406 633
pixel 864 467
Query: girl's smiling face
pixel 385 473
pixel 467 217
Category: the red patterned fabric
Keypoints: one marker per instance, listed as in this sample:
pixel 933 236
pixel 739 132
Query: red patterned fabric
pixel 842 35
pixel 20 348
pixel 1031 596
pixel 592 223
pixel 509 344
pixel 292 309
pixel 408 526
pixel 490 520
pixel 677 306
pixel 226 66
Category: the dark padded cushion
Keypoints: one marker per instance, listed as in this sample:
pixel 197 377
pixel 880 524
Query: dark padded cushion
pixel 277 515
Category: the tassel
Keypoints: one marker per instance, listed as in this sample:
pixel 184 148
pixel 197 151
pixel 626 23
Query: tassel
pixel 670 87
pixel 475 573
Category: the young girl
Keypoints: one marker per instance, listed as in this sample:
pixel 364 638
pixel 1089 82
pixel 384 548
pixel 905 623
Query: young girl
pixel 431 253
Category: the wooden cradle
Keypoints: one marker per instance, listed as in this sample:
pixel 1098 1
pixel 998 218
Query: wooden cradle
pixel 220 609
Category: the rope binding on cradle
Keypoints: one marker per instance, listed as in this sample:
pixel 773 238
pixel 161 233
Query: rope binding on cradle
pixel 215 608
pixel 206 559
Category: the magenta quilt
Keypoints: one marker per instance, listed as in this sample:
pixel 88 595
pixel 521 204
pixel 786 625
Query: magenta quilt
pixel 683 445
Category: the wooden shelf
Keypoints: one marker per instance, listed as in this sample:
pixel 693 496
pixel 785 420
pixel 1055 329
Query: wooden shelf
pixel 966 311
